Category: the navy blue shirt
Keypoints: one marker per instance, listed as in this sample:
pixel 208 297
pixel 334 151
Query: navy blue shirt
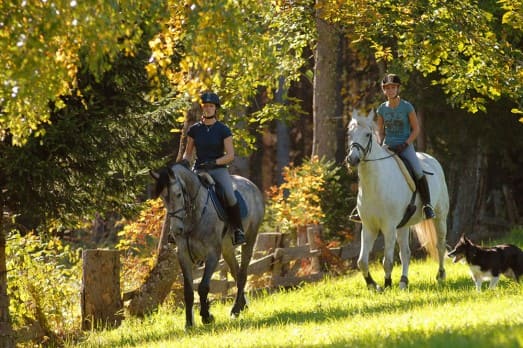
pixel 208 140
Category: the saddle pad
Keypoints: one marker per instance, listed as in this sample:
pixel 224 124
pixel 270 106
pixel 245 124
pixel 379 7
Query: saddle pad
pixel 404 170
pixel 218 201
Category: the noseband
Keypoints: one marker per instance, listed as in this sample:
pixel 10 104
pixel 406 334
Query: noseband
pixel 366 150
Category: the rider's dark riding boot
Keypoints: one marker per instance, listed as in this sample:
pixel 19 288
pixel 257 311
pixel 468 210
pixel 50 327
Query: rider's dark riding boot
pixel 236 223
pixel 355 216
pixel 424 192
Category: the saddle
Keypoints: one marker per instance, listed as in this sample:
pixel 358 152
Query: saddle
pixel 408 173
pixel 406 169
pixel 217 196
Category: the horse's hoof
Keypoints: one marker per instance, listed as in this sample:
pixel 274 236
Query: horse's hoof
pixel 441 277
pixel 235 312
pixel 404 283
pixel 375 287
pixel 208 320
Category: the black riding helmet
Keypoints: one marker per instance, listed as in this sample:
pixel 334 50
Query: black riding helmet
pixel 391 79
pixel 209 97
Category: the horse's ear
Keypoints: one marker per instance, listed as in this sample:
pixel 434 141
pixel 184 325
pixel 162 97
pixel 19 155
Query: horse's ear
pixel 154 174
pixel 371 115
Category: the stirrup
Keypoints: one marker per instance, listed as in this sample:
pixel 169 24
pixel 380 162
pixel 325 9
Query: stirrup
pixel 428 211
pixel 355 216
pixel 238 238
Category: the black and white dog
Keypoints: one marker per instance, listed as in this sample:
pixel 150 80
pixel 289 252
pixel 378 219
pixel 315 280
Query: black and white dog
pixel 488 263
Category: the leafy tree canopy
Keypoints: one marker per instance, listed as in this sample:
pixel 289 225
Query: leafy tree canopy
pixel 236 48
pixel 43 46
pixel 473 50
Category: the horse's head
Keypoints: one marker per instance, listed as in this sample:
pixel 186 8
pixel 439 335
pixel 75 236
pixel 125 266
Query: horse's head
pixel 170 188
pixel 359 137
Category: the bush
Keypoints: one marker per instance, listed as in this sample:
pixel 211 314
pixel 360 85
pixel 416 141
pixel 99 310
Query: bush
pixel 316 192
pixel 138 241
pixel 44 287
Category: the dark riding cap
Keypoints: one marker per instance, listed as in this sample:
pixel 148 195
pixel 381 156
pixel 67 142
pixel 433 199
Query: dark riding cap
pixel 209 97
pixel 391 79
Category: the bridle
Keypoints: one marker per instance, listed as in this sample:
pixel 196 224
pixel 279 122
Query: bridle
pixel 366 150
pixel 188 206
pixel 180 213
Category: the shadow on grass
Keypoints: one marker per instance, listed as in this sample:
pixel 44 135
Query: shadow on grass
pixel 500 335
pixel 459 288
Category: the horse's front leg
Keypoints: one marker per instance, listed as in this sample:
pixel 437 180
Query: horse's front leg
pixel 389 237
pixel 403 243
pixel 204 288
pixel 188 291
pixel 368 238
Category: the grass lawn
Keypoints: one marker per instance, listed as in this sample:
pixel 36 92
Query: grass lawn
pixel 341 312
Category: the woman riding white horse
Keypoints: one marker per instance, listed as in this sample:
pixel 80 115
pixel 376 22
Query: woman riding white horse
pixel 384 197
pixel 398 128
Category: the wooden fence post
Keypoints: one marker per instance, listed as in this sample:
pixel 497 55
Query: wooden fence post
pixel 102 304
pixel 313 232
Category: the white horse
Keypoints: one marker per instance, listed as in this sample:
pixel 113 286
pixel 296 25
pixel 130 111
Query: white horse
pixel 384 196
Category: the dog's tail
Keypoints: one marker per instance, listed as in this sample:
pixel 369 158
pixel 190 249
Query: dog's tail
pixel 427 236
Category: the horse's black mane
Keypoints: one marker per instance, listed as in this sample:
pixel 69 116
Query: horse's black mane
pixel 162 182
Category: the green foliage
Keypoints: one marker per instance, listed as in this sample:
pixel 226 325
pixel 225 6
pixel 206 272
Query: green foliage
pixel 472 50
pixel 316 192
pixel 44 284
pixel 44 45
pixel 89 160
pixel 237 48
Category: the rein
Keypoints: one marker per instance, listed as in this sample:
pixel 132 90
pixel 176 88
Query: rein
pixel 188 209
pixel 367 149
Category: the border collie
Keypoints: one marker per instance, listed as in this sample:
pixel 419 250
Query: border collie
pixel 488 263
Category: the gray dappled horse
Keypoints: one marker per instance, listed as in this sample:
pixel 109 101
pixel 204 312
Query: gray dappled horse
pixel 201 235
pixel 384 196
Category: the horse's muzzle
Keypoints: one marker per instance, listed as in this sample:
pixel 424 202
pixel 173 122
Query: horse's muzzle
pixel 352 159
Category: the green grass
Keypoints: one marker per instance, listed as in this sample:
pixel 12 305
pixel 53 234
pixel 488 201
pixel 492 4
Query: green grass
pixel 341 312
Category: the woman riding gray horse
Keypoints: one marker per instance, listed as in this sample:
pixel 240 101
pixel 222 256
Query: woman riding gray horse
pixel 212 141
pixel 200 232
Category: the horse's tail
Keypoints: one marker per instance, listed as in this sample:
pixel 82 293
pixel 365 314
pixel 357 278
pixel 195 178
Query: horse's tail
pixel 427 236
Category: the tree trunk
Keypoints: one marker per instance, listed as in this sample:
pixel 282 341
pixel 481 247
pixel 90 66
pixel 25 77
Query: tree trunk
pixel 464 181
pixel 101 296
pixel 283 144
pixel 192 116
pixel 6 333
pixel 267 160
pixel 326 100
